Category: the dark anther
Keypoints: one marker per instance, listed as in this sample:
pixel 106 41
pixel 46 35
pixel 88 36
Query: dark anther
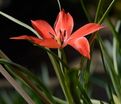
pixel 52 35
pixel 60 32
pixel 62 42
pixel 64 33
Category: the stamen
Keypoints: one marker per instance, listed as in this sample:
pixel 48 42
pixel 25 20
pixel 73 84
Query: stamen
pixel 52 36
pixel 62 36
pixel 60 32
pixel 62 42
pixel 64 33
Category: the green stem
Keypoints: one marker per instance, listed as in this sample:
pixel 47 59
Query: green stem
pixel 61 65
pixel 56 56
pixel 66 84
pixel 98 10
pixel 59 5
pixel 106 12
pixel 61 79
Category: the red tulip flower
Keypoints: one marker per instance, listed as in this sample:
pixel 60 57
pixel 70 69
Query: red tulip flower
pixel 61 35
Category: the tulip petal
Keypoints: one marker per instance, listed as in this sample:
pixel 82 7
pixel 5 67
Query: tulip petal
pixel 86 30
pixel 81 45
pixel 43 28
pixel 49 43
pixel 64 23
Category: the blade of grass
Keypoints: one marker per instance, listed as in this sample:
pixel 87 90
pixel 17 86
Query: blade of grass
pixel 20 23
pixel 99 6
pixel 61 79
pixel 30 76
pixel 16 85
pixel 73 77
pixel 115 53
pixel 41 95
pixel 116 41
pixel 85 98
pixel 106 12
pixel 110 69
pixel 25 71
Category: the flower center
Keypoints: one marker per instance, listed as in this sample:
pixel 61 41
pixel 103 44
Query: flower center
pixel 60 37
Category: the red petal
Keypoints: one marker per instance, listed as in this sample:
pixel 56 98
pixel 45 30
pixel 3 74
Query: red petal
pixel 86 30
pixel 49 43
pixel 64 22
pixel 43 28
pixel 81 45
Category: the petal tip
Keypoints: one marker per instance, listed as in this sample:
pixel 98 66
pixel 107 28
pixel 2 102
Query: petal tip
pixel 16 38
pixel 19 37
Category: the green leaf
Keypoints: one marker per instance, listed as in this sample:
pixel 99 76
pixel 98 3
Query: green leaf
pixel 84 95
pixel 94 101
pixel 116 99
pixel 28 76
pixel 20 23
pixel 108 64
pixel 13 82
pixel 20 69
pixel 106 12
pixel 73 77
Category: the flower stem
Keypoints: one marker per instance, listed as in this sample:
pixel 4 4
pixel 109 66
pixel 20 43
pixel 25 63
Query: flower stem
pixel 59 5
pixel 61 78
pixel 65 81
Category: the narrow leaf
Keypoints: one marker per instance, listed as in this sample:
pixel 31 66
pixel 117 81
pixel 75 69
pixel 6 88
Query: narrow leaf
pixel 16 85
pixel 20 23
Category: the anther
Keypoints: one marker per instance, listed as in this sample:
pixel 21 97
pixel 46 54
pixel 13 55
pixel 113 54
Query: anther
pixel 64 33
pixel 52 36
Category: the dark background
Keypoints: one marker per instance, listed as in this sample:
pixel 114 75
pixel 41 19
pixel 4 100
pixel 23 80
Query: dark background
pixel 24 52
